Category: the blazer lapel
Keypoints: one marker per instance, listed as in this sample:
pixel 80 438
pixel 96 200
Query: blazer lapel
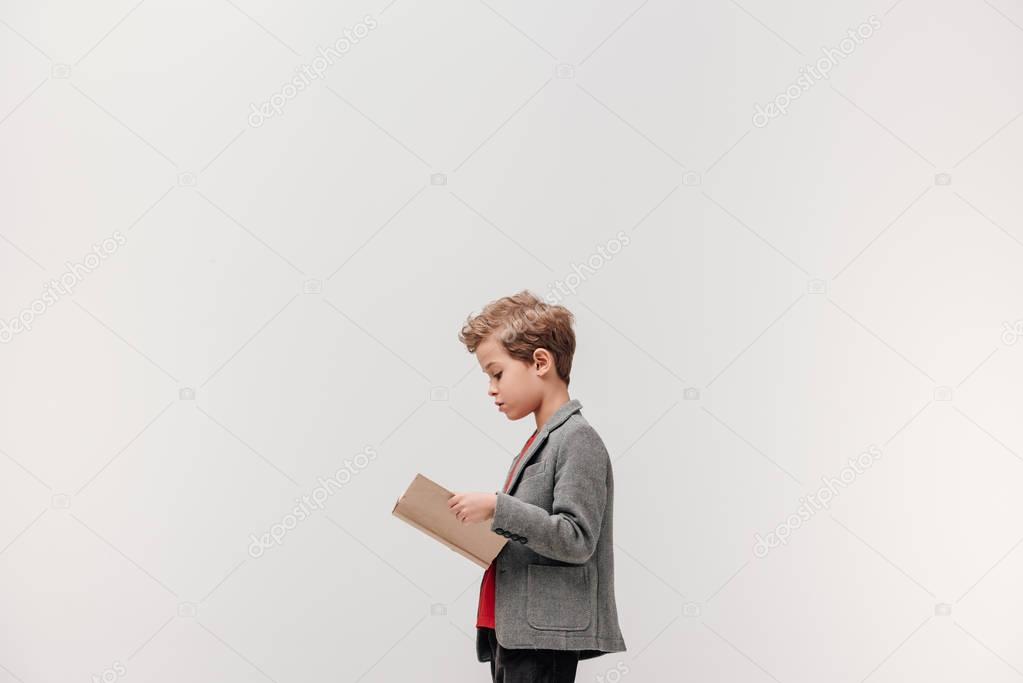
pixel 555 421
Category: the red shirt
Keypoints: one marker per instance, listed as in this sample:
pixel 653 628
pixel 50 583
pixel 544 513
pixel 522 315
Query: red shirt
pixel 485 612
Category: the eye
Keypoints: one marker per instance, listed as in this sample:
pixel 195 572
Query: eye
pixel 498 376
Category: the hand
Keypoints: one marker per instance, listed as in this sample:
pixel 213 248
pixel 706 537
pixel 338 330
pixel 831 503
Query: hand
pixel 473 506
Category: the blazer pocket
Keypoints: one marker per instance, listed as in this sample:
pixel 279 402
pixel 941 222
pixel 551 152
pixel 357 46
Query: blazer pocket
pixel 558 597
pixel 533 470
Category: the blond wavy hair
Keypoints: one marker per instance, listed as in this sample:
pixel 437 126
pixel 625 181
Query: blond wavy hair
pixel 524 323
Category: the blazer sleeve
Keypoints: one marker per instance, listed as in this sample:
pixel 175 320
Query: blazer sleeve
pixel 569 533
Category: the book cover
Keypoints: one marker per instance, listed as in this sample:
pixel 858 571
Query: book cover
pixel 424 505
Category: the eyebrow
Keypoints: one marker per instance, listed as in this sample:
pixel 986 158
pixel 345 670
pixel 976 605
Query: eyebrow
pixel 488 365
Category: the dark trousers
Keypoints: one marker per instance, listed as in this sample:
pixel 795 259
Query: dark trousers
pixel 530 666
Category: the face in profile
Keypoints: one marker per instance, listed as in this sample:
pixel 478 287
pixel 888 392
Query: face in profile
pixel 514 384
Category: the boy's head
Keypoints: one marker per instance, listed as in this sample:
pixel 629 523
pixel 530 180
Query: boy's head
pixel 525 346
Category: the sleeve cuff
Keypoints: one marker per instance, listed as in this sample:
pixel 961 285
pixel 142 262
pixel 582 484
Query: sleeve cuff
pixel 505 521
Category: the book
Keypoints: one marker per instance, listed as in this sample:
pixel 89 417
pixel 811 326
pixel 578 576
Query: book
pixel 424 505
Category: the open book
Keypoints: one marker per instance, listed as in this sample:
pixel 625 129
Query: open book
pixel 425 506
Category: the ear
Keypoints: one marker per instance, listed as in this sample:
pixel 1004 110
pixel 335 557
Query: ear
pixel 543 361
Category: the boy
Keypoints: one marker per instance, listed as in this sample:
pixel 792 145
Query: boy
pixel 547 600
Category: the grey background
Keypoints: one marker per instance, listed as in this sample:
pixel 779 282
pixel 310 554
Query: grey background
pixel 790 296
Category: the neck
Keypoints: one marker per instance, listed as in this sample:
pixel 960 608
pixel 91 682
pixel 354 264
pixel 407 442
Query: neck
pixel 549 406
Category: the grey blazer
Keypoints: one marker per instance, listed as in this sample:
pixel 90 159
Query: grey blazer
pixel 554 582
